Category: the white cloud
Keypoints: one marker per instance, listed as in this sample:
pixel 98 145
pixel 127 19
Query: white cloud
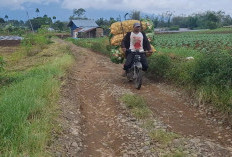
pixel 19 4
pixel 152 6
pixel 147 6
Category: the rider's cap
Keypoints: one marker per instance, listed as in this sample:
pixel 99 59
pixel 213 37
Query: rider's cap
pixel 136 25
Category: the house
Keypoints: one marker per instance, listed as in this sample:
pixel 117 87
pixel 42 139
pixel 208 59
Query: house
pixel 85 29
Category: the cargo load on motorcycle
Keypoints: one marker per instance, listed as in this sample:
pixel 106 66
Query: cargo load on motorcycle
pixel 117 32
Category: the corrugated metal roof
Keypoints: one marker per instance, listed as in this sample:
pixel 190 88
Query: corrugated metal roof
pixel 10 38
pixel 85 23
pixel 87 29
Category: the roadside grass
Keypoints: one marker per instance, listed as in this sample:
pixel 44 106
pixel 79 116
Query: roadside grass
pixel 96 44
pixel 207 76
pixel 29 93
pixel 137 105
pixel 163 136
pixel 177 153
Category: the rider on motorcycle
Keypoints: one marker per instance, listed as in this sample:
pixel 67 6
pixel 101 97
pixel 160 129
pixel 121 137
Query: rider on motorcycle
pixel 135 41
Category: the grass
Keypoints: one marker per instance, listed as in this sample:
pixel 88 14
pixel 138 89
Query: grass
pixel 137 105
pixel 177 153
pixel 96 44
pixel 163 136
pixel 28 95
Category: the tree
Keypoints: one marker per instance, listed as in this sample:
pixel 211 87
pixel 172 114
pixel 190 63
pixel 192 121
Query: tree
pixel 37 11
pixel 135 15
pixel 192 22
pixel 54 18
pixel 39 21
pixel 61 26
pixel 6 17
pixel 2 20
pixel 169 15
pixel 79 12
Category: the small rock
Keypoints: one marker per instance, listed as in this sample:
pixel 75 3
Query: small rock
pixel 74 144
pixel 195 140
pixel 145 148
pixel 186 152
pixel 132 153
pixel 148 152
pixel 123 120
pixel 58 154
pixel 133 119
pixel 125 155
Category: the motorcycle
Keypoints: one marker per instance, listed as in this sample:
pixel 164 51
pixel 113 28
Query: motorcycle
pixel 135 73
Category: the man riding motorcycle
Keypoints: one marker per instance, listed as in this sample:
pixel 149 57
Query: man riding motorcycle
pixel 135 41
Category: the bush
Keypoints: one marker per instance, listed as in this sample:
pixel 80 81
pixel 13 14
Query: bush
pixel 174 28
pixel 159 65
pixel 96 46
pixel 213 68
pixel 180 72
pixel 35 43
pixel 2 63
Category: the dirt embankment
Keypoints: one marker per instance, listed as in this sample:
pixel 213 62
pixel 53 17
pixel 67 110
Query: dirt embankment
pixel 96 123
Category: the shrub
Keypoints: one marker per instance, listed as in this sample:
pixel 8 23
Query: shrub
pixel 2 63
pixel 34 43
pixel 159 65
pixel 174 28
pixel 213 68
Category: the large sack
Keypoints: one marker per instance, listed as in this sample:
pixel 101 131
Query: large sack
pixel 116 39
pixel 125 26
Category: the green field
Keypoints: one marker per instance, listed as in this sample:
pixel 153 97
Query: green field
pixel 202 41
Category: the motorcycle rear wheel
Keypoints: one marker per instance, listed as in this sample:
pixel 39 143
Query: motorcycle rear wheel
pixel 138 79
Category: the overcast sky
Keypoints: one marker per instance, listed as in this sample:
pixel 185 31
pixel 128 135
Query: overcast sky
pixel 106 8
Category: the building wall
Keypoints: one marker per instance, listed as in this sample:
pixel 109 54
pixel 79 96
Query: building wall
pixel 99 32
pixel 90 34
pixel 73 27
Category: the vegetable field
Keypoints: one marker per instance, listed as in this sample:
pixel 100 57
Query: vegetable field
pixel 207 41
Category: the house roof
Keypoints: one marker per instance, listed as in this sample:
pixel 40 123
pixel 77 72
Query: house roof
pixel 87 29
pixel 83 23
pixel 10 38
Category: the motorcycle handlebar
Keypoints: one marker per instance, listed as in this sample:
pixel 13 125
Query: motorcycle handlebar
pixel 128 50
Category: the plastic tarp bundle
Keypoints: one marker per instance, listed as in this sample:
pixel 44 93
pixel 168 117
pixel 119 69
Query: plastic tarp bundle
pixel 119 30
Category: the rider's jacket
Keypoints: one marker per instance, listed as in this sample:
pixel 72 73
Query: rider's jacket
pixel 126 42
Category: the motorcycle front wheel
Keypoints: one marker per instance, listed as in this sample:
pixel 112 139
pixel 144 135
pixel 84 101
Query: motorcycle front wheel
pixel 138 79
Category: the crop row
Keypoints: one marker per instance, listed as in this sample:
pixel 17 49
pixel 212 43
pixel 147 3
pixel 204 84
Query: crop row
pixel 200 42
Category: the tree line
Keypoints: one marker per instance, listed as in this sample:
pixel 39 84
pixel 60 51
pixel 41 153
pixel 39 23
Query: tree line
pixel 205 20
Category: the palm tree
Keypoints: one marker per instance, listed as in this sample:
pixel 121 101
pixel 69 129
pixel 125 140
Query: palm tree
pixel 6 17
pixel 37 11
pixel 54 18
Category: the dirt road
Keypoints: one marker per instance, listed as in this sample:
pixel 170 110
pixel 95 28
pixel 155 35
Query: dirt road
pixel 96 123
